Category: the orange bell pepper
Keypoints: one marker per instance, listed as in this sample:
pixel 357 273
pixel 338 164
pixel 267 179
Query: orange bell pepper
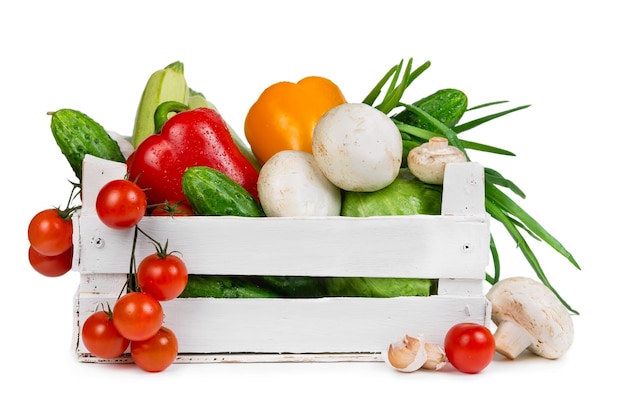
pixel 284 116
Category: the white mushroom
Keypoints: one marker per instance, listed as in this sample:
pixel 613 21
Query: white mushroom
pixel 428 161
pixel 291 184
pixel 529 316
pixel 357 147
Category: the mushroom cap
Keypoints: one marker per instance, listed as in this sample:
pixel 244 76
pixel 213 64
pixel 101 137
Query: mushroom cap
pixel 357 147
pixel 533 306
pixel 428 161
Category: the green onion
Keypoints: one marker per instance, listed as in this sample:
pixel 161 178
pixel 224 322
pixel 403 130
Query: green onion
pixel 498 204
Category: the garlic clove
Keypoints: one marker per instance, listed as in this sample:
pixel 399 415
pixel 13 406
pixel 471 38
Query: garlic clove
pixel 435 357
pixel 406 355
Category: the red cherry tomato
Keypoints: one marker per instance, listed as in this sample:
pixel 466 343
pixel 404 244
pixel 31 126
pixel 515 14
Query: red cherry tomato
pixel 49 233
pixel 177 209
pixel 156 353
pixel 469 347
pixel 101 337
pixel 51 265
pixel 137 316
pixel 121 204
pixel 162 276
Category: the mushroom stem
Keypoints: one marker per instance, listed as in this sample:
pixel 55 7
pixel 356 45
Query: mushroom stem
pixel 511 339
pixel 438 143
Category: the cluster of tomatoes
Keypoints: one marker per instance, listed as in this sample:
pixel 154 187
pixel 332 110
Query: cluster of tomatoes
pixel 135 322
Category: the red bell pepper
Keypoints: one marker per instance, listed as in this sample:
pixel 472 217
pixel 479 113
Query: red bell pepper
pixel 197 137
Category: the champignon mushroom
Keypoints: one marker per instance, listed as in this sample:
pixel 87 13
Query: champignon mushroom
pixel 529 316
pixel 291 184
pixel 357 147
pixel 428 161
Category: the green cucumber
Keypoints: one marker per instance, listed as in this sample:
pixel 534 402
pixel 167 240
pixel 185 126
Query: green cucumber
pixel 295 286
pixel 211 192
pixel 77 135
pixel 447 106
pixel 208 286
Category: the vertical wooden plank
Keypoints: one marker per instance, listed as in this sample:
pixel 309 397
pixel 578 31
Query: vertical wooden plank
pixel 463 194
pixel 463 189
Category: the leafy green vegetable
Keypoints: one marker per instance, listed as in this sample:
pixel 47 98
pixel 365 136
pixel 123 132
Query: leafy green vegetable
pixel 378 287
pixel 406 195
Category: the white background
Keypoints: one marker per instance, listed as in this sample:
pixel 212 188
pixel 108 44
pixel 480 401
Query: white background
pixel 563 58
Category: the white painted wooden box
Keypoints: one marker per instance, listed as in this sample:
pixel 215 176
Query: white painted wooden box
pixel 452 247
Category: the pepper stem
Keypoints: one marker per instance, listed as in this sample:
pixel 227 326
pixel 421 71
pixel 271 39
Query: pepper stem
pixel 163 110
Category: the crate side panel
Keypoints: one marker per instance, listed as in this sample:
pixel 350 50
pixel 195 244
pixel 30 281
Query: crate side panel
pixel 408 246
pixel 328 325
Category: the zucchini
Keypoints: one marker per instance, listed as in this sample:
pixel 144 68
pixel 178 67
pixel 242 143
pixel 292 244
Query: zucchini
pixel 77 134
pixel 447 106
pixel 211 192
pixel 209 286
pixel 167 84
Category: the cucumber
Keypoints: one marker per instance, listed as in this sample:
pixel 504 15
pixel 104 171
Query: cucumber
pixel 211 192
pixel 77 134
pixel 296 286
pixel 209 286
pixel 446 105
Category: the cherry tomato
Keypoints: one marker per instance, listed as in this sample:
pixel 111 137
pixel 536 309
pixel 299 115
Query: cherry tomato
pixel 469 347
pixel 177 209
pixel 137 316
pixel 101 337
pixel 162 276
pixel 156 353
pixel 51 265
pixel 49 233
pixel 121 204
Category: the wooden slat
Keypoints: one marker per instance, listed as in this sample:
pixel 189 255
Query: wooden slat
pixel 323 325
pixel 409 246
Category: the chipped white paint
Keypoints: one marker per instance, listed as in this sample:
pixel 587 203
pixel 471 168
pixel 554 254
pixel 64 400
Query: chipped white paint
pixel 453 247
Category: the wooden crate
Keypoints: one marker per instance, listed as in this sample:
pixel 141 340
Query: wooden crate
pixel 452 247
